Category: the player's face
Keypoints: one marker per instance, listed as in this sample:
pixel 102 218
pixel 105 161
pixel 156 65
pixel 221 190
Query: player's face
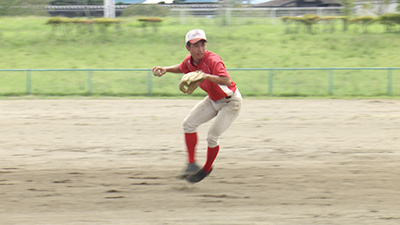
pixel 197 50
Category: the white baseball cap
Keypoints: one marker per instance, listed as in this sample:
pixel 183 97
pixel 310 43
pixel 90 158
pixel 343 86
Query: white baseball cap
pixel 195 35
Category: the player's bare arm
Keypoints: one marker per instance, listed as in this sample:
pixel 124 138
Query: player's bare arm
pixel 218 79
pixel 159 70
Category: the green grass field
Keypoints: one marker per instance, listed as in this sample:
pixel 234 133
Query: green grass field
pixel 28 43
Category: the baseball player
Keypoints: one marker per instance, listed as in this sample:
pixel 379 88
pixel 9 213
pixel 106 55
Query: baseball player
pixel 223 102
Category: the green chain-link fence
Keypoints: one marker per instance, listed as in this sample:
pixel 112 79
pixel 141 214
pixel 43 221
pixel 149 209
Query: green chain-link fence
pixel 251 82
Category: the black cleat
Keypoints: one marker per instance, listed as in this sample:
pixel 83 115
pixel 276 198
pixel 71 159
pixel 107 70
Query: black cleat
pixel 197 177
pixel 191 168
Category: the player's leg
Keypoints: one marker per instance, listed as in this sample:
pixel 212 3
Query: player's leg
pixel 201 113
pixel 229 111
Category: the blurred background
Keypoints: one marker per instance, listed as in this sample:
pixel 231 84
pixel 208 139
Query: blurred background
pixel 207 8
pixel 291 47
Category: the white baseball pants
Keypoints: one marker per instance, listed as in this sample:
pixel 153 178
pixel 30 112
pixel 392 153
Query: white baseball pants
pixel 225 111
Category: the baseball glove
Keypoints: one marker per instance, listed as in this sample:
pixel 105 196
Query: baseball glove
pixel 191 81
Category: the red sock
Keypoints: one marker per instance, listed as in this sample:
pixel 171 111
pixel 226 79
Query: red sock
pixel 191 142
pixel 211 155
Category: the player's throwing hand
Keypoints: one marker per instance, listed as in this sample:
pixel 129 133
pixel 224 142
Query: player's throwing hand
pixel 158 71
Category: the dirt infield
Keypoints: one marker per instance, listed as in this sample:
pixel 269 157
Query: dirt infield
pixel 282 162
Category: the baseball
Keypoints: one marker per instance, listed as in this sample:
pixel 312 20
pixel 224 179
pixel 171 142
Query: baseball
pixel 157 72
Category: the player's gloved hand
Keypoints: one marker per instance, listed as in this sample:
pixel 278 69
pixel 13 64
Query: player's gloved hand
pixel 191 81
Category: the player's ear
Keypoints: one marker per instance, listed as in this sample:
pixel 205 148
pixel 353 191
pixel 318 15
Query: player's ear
pixel 188 47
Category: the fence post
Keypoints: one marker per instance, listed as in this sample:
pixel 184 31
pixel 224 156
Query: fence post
pixel 228 16
pixel 390 79
pixel 330 91
pixel 90 82
pixel 271 82
pixel 149 83
pixel 273 15
pixel 182 17
pixel 319 11
pixel 28 82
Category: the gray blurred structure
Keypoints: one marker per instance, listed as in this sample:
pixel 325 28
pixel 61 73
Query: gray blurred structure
pixel 267 10
pixel 109 8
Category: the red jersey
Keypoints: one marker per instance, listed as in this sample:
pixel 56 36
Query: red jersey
pixel 211 63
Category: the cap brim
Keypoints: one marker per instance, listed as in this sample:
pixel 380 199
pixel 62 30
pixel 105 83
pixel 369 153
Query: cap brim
pixel 194 41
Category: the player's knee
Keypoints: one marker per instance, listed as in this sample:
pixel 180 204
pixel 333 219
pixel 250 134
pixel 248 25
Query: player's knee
pixel 188 127
pixel 212 140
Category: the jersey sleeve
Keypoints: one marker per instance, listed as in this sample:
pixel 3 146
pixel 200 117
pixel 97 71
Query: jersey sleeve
pixel 220 70
pixel 183 66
